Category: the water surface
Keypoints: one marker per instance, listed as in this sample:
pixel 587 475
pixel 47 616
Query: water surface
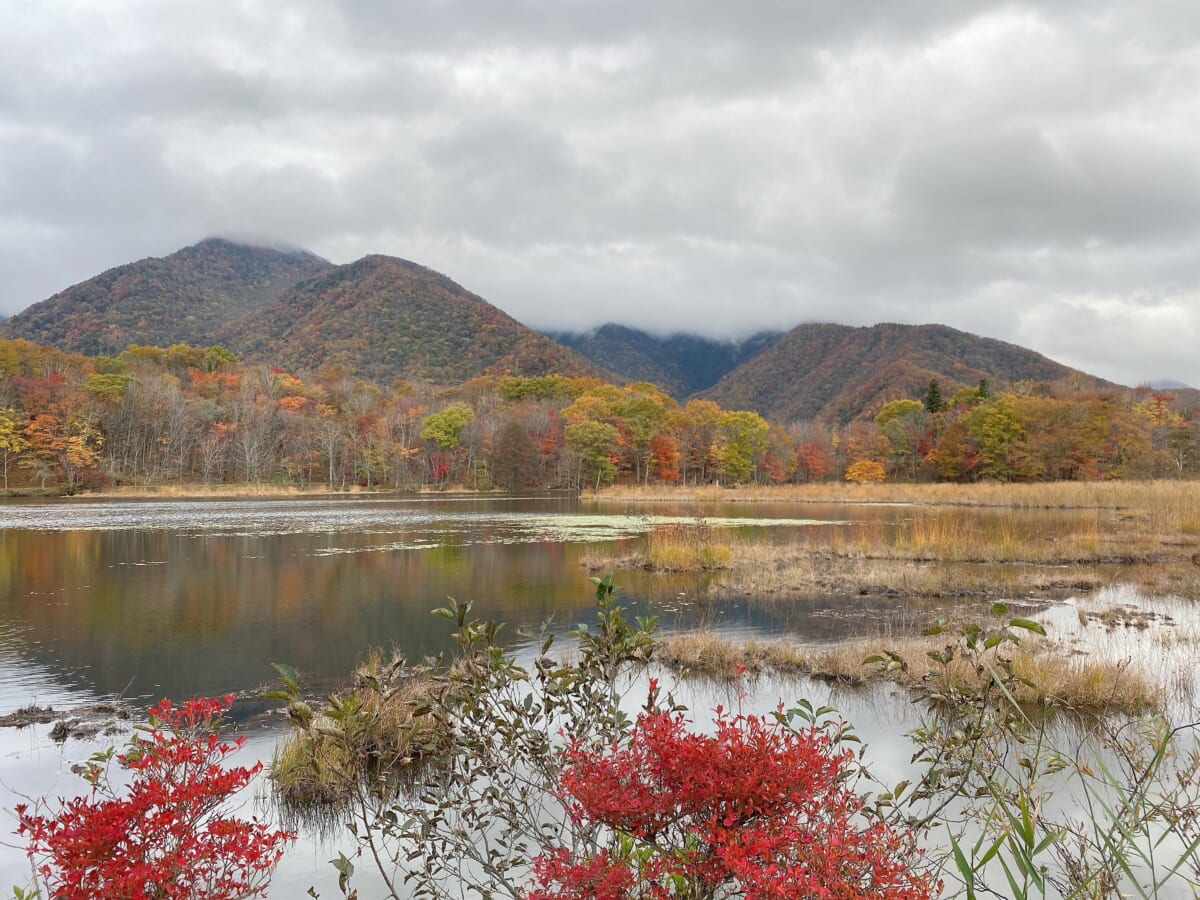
pixel 146 599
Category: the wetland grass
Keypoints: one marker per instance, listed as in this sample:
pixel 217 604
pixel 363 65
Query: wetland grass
pixel 1049 673
pixel 1170 505
pixel 325 766
pixel 684 548
pixel 1087 534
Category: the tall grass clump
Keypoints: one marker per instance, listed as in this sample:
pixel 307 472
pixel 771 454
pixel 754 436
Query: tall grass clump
pixel 687 548
pixel 1043 673
pixel 323 762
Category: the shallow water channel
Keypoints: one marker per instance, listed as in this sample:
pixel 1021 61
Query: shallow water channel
pixel 148 598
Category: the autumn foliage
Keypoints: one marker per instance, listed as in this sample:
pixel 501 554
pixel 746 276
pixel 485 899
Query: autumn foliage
pixel 197 415
pixel 165 835
pixel 756 810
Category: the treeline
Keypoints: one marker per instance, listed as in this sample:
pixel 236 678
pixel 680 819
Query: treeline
pixel 196 415
pixel 1027 434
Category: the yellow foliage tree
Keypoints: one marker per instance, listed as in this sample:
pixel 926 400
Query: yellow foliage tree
pixel 865 471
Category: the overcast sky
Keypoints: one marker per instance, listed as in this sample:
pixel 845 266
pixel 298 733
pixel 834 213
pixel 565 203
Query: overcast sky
pixel 1025 171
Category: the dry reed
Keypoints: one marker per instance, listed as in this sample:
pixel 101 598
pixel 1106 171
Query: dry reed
pixel 324 765
pixel 1147 532
pixel 1088 684
pixel 1175 504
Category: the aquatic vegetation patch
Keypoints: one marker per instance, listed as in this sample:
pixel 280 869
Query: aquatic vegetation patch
pixel 368 737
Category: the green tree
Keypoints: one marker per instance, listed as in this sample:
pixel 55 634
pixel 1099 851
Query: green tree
pixel 700 422
pixel 741 444
pixel 445 426
pixel 933 396
pixel 900 422
pixel 596 444
pixel 894 410
pixel 998 430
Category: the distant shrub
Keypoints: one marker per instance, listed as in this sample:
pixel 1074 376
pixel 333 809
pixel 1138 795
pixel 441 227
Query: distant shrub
pixel 865 471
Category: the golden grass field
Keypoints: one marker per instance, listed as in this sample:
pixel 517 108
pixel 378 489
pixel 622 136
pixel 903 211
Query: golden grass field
pixel 959 543
pixel 951 539
pixel 1179 497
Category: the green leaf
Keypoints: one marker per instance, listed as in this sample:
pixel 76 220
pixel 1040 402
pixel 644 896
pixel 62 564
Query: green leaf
pixel 288 675
pixel 965 871
pixel 999 609
pixel 1028 625
pixel 345 869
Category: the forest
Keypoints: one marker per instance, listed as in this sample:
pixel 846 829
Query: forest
pixel 196 415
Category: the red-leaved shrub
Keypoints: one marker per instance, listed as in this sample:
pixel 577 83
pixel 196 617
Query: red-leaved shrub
pixel 163 836
pixel 758 810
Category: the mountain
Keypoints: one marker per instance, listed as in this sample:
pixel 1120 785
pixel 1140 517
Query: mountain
pixel 837 373
pixel 682 364
pixel 384 317
pixel 186 297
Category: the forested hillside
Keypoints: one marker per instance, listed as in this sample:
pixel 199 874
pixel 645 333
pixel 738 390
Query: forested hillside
pixel 837 373
pixel 384 318
pixel 187 297
pixel 682 364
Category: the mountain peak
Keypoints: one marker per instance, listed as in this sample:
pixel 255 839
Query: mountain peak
pixel 243 243
pixel 385 317
pixel 680 363
pixel 186 297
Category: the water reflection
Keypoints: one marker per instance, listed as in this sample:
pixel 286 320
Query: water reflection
pixel 191 597
pixel 188 597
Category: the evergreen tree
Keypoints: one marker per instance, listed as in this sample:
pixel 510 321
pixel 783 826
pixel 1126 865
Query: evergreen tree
pixel 933 396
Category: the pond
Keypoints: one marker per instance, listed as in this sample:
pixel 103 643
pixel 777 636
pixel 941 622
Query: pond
pixel 148 598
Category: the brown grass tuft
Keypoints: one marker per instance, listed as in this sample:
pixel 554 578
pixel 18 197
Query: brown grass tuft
pixel 1081 684
pixel 326 764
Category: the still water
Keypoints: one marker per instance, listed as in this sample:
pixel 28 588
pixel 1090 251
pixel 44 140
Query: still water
pixel 151 599
pixel 145 599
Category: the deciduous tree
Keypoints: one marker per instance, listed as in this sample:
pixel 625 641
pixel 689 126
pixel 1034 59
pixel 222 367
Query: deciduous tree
pixel 12 441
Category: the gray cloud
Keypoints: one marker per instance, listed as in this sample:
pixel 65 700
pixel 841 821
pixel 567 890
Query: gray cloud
pixel 1023 170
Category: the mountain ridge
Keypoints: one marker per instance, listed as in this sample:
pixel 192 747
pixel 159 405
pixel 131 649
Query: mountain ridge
pixel 386 317
pixel 383 317
pixel 184 297
pixel 837 373
pixel 679 362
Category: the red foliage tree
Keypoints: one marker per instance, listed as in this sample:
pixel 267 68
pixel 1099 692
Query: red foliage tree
pixel 757 810
pixel 664 449
pixel 814 460
pixel 164 837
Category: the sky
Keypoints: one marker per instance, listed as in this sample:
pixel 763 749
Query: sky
pixel 1024 171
